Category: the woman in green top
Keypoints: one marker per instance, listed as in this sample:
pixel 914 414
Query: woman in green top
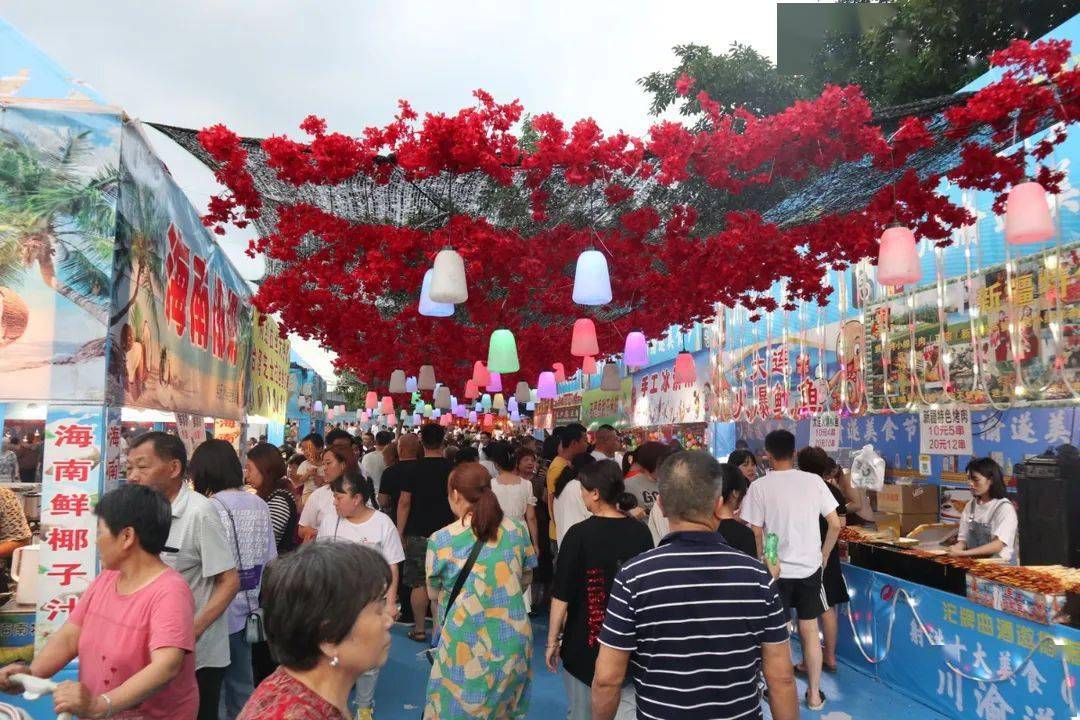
pixel 482 666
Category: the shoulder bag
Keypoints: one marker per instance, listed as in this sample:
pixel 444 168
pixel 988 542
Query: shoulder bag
pixel 456 590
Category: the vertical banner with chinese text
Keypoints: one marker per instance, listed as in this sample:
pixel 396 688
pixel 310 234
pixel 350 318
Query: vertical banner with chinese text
pixel 71 483
pixel 269 370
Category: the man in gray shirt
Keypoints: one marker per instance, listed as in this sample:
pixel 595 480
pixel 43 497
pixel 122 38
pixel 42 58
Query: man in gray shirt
pixel 197 548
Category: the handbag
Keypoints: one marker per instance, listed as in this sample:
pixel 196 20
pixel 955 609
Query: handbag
pixel 254 629
pixel 456 590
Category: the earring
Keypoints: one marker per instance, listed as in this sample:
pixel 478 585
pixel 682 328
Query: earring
pixel 334 662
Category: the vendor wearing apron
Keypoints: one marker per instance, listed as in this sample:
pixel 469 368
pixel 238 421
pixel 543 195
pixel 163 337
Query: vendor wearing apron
pixel 988 523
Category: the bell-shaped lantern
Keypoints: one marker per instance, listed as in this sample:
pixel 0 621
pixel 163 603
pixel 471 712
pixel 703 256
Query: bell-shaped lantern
pixel 480 374
pixel 560 372
pixel 610 379
pixel 583 342
pixel 371 401
pixel 471 390
pixel 442 397
pixel 318 406
pixel 1027 214
pixel 498 402
pixel 426 381
pixel 588 365
pixel 592 283
pixel 636 350
pixel 522 392
pixel 495 383
pixel 448 278
pixel 429 307
pixel 545 386
pixel 397 382
pixel 685 370
pixel 391 421
pixel 502 352
pixel 898 258
pixel 485 401
pixel 410 384
pixel 387 407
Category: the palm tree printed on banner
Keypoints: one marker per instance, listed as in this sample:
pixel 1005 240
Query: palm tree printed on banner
pixel 56 222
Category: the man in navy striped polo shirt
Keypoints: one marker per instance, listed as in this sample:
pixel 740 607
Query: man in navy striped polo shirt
pixel 694 620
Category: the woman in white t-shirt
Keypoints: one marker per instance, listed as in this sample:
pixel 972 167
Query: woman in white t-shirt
pixel 515 495
pixel 356 522
pixel 988 524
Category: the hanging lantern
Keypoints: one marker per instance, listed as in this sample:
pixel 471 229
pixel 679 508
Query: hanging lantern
pixel 583 342
pixel 495 384
pixel 512 404
pixel 410 384
pixel 498 402
pixel 318 406
pixel 428 412
pixel 446 420
pixel 448 278
pixel 588 365
pixel 534 396
pixel 480 374
pixel 397 382
pixel 472 416
pixel 391 421
pixel 515 416
pixel 592 284
pixel 530 406
pixel 522 392
pixel 461 411
pixel 426 381
pixel 404 414
pixel 898 260
pixel 471 390
pixel 416 420
pixel 560 372
pixel 545 386
pixel 365 417
pixel 387 405
pixel 610 379
pixel 371 401
pixel 485 401
pixel 685 370
pixel 1027 214
pixel 489 420
pixel 636 351
pixel 442 398
pixel 502 352
pixel 428 307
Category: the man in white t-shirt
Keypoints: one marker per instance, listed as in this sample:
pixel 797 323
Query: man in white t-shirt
pixel 789 502
pixel 606 445
pixel 310 471
pixel 373 464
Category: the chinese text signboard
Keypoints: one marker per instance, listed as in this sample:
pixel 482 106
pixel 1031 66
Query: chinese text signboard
pixel 945 431
pixel 825 432
pixel 71 483
pixel 269 369
pixel 980 641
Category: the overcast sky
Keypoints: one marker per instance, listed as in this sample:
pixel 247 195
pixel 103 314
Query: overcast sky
pixel 261 67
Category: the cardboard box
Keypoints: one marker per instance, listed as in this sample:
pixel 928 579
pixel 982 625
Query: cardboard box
pixel 903 523
pixel 914 498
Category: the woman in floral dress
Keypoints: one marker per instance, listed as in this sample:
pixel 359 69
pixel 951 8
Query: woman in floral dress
pixel 482 666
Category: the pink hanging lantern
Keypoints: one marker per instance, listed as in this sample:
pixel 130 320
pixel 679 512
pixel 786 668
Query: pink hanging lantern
pixel 685 370
pixel 372 400
pixel 1027 214
pixel 472 391
pixel 495 383
pixel 480 374
pixel 636 351
pixel 489 420
pixel 898 260
pixel 545 386
pixel 560 372
pixel 588 365
pixel 445 420
pixel 584 342
pixel 387 405
pixel 391 420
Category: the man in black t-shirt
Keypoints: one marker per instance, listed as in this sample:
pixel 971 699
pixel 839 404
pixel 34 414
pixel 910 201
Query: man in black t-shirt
pixel 422 509
pixel 393 477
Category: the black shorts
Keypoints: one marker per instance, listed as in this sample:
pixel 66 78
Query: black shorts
pixel 804 595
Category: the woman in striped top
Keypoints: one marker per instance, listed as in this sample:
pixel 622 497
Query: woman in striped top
pixel 265 473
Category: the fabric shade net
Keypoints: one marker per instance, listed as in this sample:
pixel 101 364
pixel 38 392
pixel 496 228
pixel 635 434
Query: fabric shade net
pixel 426 381
pixel 371 401
pixel 588 365
pixel 898 258
pixel 583 342
pixel 685 370
pixel 545 386
pixel 502 352
pixel 636 350
pixel 1027 215
pixel 397 382
pixel 429 307
pixel 610 379
pixel 592 283
pixel 448 283
pixel 522 392
pixel 495 384
pixel 480 374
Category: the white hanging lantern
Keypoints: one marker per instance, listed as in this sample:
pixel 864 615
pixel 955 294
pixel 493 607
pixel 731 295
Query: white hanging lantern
pixel 448 283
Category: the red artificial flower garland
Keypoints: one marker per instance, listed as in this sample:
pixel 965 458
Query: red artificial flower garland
pixel 662 272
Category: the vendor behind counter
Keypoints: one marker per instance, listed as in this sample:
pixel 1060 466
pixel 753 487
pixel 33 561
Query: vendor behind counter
pixel 988 524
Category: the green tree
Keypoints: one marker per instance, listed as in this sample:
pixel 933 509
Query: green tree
pixel 56 219
pixel 352 388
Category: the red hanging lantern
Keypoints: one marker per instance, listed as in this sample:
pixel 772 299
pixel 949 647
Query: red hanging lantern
pixel 898 259
pixel 472 391
pixel 588 365
pixel 584 342
pixel 560 372
pixel 1027 214
pixel 480 374
pixel 685 370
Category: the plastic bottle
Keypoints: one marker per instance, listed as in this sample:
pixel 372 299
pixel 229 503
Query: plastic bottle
pixel 772 546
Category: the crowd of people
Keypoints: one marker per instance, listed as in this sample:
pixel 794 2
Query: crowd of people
pixel 268 587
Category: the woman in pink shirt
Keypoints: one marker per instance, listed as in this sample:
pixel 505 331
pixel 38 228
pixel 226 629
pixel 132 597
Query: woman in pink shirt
pixel 133 628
